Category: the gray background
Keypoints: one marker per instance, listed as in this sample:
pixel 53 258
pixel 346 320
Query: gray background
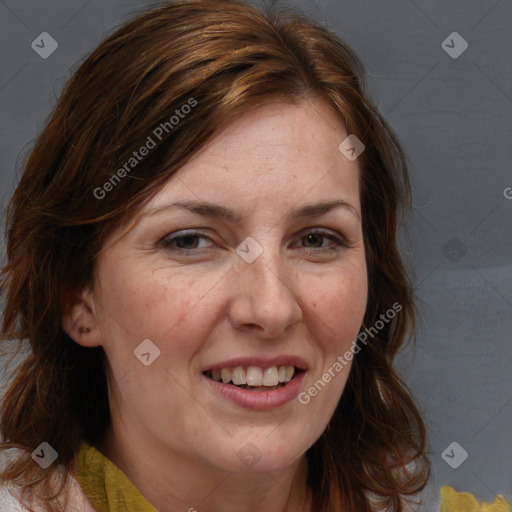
pixel 453 116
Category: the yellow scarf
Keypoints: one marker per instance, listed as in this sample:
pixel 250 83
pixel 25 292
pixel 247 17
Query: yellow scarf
pixel 110 490
pixel 106 486
pixel 453 501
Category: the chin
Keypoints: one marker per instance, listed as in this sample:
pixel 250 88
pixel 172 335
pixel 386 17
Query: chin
pixel 266 451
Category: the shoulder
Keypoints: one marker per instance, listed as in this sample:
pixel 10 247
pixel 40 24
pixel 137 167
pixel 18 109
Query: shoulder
pixel 9 492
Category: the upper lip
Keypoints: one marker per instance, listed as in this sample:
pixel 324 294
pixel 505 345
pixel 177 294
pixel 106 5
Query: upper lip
pixel 262 362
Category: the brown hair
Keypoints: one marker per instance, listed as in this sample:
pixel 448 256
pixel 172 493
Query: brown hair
pixel 228 58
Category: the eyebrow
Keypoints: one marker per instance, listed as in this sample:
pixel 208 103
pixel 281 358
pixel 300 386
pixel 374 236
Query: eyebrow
pixel 216 211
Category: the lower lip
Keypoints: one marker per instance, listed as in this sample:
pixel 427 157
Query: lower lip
pixel 258 400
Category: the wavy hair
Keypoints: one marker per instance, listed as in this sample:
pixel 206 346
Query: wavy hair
pixel 230 58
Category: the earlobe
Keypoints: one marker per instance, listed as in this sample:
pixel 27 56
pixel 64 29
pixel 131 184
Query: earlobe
pixel 79 320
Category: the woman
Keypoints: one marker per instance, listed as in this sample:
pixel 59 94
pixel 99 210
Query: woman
pixel 202 253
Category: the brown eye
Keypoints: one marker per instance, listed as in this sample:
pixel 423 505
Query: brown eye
pixel 315 241
pixel 185 242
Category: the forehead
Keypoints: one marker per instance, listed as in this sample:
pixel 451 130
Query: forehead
pixel 275 154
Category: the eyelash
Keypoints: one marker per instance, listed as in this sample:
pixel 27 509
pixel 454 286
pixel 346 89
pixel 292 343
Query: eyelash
pixel 168 240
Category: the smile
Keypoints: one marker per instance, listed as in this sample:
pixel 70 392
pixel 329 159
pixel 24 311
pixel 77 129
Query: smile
pixel 254 378
pixel 262 385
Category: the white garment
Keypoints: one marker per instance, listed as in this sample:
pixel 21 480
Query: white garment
pixel 78 501
pixel 7 502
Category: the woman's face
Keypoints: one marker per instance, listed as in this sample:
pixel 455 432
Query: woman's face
pixel 239 282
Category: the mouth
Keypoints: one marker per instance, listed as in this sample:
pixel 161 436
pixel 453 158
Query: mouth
pixel 256 387
pixel 255 378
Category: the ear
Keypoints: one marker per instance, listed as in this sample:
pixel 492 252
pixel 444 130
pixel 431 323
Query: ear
pixel 79 319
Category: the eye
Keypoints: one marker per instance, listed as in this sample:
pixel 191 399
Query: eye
pixel 184 241
pixel 315 241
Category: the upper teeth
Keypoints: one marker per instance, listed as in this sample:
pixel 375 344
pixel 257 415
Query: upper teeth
pixel 255 376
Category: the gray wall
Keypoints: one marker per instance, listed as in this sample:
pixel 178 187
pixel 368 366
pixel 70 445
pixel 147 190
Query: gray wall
pixel 453 116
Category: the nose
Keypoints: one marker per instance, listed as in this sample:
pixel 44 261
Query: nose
pixel 264 302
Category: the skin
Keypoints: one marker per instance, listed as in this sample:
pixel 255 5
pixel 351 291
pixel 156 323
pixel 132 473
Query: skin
pixel 171 434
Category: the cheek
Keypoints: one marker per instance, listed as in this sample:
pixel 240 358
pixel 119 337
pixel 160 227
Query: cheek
pixel 137 303
pixel 337 303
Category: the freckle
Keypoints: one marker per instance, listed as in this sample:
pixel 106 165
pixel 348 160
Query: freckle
pixel 314 304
